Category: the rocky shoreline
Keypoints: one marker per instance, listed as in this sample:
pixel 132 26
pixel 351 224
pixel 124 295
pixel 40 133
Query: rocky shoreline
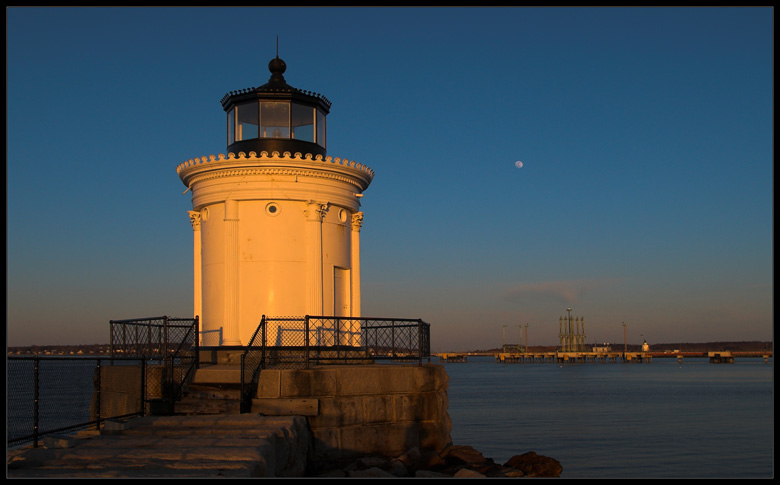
pixel 454 461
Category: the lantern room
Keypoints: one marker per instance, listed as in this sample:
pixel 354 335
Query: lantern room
pixel 276 117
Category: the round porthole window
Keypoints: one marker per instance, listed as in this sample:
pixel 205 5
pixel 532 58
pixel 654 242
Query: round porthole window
pixel 342 215
pixel 272 209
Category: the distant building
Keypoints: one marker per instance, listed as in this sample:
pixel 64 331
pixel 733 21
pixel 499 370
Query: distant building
pixel 602 348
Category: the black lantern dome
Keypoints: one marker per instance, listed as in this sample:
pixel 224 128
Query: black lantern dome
pixel 276 117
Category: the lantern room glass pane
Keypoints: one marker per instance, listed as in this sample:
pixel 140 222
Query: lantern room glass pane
pixel 274 120
pixel 321 128
pixel 246 121
pixel 302 122
pixel 231 126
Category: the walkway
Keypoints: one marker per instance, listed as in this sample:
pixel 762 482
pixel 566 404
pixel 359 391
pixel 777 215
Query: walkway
pixel 232 445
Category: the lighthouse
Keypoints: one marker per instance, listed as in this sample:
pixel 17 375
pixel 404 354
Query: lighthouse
pixel 276 221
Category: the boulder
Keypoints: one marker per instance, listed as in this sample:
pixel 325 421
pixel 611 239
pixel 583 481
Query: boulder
pixel 372 472
pixel 468 473
pixel 464 455
pixel 429 474
pixel 533 465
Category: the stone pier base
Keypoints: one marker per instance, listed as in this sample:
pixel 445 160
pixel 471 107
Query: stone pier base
pixel 362 410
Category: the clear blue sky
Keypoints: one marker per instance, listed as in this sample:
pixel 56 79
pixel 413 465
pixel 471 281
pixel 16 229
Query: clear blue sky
pixel 645 195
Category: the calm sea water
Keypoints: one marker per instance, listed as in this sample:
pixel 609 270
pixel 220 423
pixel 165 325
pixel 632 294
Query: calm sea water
pixel 65 394
pixel 600 420
pixel 614 420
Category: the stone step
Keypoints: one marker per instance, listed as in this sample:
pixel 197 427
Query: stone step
pixel 225 423
pixel 196 433
pixel 209 399
pixel 286 407
pixel 218 374
pixel 202 391
pixel 207 406
pixel 241 425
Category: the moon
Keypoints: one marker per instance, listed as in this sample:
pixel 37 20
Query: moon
pixel 519 164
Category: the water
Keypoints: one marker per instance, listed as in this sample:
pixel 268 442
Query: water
pixel 600 420
pixel 65 394
pixel 615 420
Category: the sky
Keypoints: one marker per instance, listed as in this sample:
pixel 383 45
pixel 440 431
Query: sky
pixel 644 197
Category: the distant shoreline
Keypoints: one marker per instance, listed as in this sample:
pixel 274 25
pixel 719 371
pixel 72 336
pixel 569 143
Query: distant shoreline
pixel 681 347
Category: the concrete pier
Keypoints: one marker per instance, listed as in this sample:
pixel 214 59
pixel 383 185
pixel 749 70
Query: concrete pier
pixel 721 357
pixel 572 357
pixel 227 446
pixel 301 421
pixel 452 357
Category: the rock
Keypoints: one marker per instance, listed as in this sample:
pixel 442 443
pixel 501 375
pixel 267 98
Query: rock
pixel 534 465
pixel 372 462
pixel 333 474
pixel 454 461
pixel 465 455
pixel 412 458
pixel 496 471
pixel 397 469
pixel 513 473
pixel 372 472
pixel 467 473
pixel 429 474
pixel 430 461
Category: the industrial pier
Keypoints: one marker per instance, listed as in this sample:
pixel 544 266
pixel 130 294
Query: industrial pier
pixel 721 357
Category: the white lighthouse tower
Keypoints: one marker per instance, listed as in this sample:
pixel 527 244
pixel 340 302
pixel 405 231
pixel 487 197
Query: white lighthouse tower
pixel 276 222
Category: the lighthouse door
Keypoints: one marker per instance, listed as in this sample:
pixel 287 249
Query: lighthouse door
pixel 341 292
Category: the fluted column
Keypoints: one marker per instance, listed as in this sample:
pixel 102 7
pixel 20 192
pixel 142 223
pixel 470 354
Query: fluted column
pixel 314 212
pixel 197 297
pixel 230 325
pixel 357 223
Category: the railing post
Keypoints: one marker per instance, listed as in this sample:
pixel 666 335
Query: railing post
pixel 167 365
pixel 36 396
pixel 263 323
pixel 306 339
pixel 337 335
pixel 97 391
pixel 197 341
pixel 143 387
pixel 419 340
pixel 392 338
pixel 364 329
pixel 165 337
pixel 242 387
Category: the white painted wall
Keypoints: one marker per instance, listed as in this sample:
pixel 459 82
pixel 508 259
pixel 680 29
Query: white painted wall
pixel 279 235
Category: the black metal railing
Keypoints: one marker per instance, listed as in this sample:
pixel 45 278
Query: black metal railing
pixel 252 361
pixel 169 345
pixel 301 342
pixel 49 395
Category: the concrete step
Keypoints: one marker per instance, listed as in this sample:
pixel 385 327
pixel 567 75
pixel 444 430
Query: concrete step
pixel 218 374
pixel 209 399
pixel 207 406
pixel 160 425
pixel 202 391
pixel 286 407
